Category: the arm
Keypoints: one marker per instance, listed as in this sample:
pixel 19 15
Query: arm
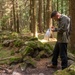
pixel 63 26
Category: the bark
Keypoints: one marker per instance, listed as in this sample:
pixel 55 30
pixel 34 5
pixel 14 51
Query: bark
pixel 72 35
pixel 62 6
pixel 34 19
pixel 48 13
pixel 40 16
pixel 17 17
pixel 44 15
pixel 14 16
pixel 31 16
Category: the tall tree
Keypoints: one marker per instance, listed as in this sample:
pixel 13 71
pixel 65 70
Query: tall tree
pixel 44 14
pixel 48 13
pixel 57 5
pixel 40 16
pixel 14 16
pixel 33 18
pixel 72 14
pixel 61 6
pixel 17 17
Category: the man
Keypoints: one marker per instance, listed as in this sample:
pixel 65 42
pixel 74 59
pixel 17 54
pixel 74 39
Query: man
pixel 62 39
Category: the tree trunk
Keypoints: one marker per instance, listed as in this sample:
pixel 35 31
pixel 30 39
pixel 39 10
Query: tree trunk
pixel 72 36
pixel 62 6
pixel 40 16
pixel 11 20
pixel 17 17
pixel 44 15
pixel 14 16
pixel 57 5
pixel 48 13
pixel 31 16
pixel 34 19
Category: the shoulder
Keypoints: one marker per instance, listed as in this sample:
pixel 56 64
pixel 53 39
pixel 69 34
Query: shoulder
pixel 64 18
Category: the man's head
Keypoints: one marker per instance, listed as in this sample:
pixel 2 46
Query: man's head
pixel 55 15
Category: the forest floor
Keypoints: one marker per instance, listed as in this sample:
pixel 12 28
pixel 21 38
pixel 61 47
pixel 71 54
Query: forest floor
pixel 41 65
pixel 41 69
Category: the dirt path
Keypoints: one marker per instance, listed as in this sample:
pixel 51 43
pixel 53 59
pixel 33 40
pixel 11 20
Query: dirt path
pixel 40 70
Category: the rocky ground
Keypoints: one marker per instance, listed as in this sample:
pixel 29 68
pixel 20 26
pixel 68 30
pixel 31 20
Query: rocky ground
pixel 40 70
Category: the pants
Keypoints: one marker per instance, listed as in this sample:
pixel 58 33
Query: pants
pixel 60 49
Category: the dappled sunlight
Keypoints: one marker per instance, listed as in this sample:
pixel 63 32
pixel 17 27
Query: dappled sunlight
pixel 53 39
pixel 49 40
pixel 43 40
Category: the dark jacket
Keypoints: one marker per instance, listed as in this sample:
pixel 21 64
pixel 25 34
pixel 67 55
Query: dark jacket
pixel 62 30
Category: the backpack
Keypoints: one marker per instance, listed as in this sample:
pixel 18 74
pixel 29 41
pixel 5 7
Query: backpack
pixel 68 29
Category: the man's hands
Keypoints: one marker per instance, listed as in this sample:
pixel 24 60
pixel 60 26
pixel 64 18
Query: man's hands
pixel 52 28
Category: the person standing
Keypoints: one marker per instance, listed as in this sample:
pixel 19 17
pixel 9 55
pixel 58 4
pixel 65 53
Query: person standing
pixel 62 39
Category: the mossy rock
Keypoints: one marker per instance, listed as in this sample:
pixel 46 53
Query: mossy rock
pixel 14 60
pixel 18 43
pixel 48 48
pixel 26 51
pixel 30 61
pixel 35 44
pixel 42 54
pixel 68 71
pixel 48 45
pixel 11 60
pixel 25 38
pixel 34 48
pixel 62 73
pixel 33 39
pixel 14 35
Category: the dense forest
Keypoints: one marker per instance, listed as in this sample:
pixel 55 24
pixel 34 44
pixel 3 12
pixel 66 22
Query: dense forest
pixel 23 47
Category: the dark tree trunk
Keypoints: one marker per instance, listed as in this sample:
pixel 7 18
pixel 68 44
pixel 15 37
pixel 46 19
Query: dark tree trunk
pixel 72 14
pixel 40 16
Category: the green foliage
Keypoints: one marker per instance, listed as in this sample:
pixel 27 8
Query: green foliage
pixel 3 20
pixel 13 35
pixel 18 43
pixel 12 52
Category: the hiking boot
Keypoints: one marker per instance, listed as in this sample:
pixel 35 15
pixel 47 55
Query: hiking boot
pixel 51 66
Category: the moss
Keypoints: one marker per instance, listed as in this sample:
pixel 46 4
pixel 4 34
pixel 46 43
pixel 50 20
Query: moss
pixel 48 45
pixel 18 43
pixel 48 48
pixel 61 73
pixel 41 53
pixel 30 61
pixel 35 44
pixel 33 39
pixel 68 71
pixel 71 69
pixel 14 59
pixel 26 51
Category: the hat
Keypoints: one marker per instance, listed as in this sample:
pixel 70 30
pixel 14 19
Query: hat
pixel 53 14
